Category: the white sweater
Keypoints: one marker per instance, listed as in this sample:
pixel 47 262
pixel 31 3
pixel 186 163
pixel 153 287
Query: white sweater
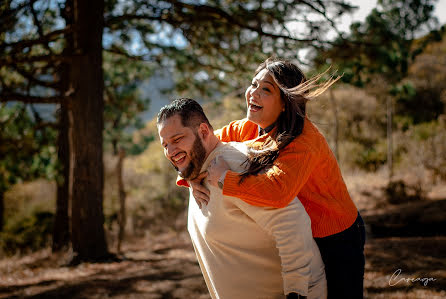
pixel 253 252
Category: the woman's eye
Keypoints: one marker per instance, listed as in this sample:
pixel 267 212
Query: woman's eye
pixel 266 89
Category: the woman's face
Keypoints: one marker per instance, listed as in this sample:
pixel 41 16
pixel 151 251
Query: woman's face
pixel 263 100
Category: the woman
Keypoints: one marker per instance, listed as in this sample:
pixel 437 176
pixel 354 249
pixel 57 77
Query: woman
pixel 293 159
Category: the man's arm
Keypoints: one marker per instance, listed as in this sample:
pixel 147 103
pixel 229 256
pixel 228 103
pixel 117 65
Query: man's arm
pixel 291 228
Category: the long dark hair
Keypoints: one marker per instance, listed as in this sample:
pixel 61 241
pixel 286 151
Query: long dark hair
pixel 295 92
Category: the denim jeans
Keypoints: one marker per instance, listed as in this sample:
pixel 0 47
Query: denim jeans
pixel 343 256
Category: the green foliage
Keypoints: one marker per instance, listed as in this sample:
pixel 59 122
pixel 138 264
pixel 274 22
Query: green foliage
pixel 213 46
pixel 27 152
pixel 124 101
pixel 385 43
pixel 416 104
pixel 371 158
pixel 31 232
pixel 138 148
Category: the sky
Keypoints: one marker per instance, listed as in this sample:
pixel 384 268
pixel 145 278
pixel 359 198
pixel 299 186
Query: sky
pixel 440 11
pixel 365 6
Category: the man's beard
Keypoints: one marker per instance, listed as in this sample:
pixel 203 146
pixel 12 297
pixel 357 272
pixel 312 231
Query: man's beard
pixel 197 157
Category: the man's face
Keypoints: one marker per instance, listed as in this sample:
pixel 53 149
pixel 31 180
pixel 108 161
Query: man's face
pixel 182 147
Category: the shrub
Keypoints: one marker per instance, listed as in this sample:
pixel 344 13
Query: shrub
pixel 27 233
pixel 425 145
pixel 371 158
pixel 398 192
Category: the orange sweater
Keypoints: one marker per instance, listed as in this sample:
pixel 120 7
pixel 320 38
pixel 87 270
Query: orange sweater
pixel 305 168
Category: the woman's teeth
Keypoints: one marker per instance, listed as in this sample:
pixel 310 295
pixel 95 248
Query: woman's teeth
pixel 255 107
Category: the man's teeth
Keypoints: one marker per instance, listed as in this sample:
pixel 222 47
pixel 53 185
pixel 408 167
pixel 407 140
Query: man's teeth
pixel 178 157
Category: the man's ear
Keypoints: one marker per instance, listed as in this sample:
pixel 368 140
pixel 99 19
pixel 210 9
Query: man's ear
pixel 204 131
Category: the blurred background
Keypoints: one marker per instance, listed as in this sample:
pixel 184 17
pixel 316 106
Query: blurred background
pixel 83 179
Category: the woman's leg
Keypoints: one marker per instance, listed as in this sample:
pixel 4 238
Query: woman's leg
pixel 343 256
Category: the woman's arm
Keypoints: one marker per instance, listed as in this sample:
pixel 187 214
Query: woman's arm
pixel 278 185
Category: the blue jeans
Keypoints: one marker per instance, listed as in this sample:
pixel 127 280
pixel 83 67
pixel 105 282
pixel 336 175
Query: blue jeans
pixel 343 256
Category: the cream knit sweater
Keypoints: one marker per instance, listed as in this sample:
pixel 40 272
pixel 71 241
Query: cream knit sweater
pixel 253 252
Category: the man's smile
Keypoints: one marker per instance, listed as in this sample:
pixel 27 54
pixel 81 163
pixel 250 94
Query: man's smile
pixel 179 158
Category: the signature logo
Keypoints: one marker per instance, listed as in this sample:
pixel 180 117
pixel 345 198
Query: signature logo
pixel 396 279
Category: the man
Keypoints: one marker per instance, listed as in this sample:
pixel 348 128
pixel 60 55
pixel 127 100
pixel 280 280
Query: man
pixel 243 251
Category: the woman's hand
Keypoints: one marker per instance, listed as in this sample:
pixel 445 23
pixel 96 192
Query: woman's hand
pixel 215 170
pixel 199 191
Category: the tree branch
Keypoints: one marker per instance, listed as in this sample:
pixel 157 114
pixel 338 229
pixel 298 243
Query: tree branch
pixel 115 50
pixel 220 13
pixel 9 13
pixel 19 59
pixel 29 76
pixel 17 46
pixel 9 97
pixel 209 11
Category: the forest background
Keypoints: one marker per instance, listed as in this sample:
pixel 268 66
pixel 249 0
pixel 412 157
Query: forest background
pixel 82 173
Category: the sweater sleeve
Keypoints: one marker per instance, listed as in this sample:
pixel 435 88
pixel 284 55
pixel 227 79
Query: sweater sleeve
pixel 231 132
pixel 279 184
pixel 290 227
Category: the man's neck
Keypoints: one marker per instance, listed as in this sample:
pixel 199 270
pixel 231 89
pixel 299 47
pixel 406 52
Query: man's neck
pixel 213 143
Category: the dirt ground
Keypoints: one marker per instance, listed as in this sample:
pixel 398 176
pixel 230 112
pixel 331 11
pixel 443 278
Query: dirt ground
pixel 405 258
pixel 165 266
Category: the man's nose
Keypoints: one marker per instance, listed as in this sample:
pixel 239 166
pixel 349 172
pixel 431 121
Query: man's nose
pixel 170 149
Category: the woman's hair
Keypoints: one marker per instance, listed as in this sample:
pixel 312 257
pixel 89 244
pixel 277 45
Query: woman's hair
pixel 295 91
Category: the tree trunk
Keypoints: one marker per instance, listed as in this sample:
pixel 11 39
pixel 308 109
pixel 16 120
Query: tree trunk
pixel 389 138
pixel 61 232
pixel 336 124
pixel 122 212
pixel 2 209
pixel 86 78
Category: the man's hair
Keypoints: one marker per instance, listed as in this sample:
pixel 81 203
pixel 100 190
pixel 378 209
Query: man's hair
pixel 190 112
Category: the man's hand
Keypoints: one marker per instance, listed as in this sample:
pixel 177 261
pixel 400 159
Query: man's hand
pixel 200 192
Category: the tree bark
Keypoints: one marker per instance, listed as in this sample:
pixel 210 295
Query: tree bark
pixel 61 232
pixel 2 209
pixel 121 189
pixel 86 78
